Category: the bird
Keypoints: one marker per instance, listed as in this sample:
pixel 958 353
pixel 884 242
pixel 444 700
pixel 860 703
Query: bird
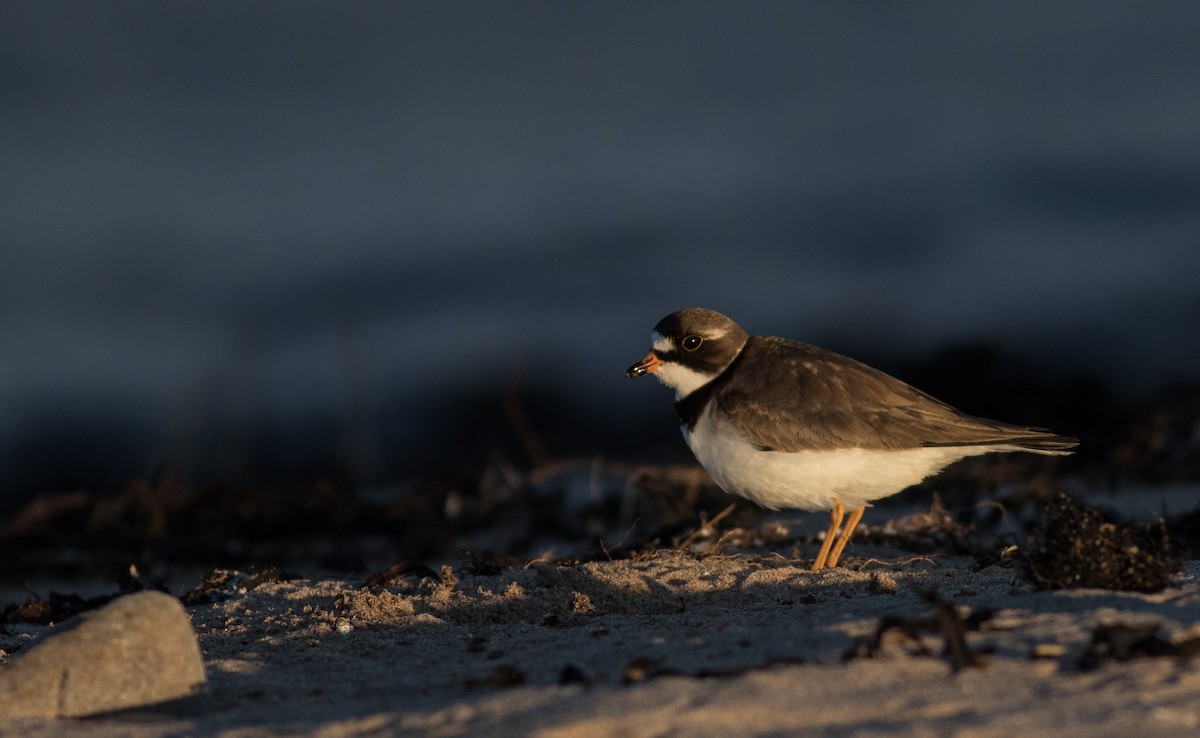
pixel 789 425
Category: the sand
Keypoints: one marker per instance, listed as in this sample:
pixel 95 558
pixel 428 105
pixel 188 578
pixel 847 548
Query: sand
pixel 675 644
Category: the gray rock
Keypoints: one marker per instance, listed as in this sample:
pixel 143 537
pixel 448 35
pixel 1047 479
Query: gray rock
pixel 137 650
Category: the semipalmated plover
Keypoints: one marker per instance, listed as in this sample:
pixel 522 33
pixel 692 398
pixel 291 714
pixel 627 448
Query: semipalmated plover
pixel 788 425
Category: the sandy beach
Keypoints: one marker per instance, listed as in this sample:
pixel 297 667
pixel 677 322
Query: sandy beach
pixel 675 644
pixel 317 326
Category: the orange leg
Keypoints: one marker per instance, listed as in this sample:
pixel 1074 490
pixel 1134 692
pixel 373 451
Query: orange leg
pixel 844 538
pixel 835 520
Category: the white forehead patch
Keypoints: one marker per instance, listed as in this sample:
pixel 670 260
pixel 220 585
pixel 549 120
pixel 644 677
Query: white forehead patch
pixel 664 344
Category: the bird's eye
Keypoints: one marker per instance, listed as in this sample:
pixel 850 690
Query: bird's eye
pixel 692 342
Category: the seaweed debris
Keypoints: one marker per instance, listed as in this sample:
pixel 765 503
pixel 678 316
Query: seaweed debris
pixel 1077 546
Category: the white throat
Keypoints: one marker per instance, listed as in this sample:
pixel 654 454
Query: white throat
pixel 683 380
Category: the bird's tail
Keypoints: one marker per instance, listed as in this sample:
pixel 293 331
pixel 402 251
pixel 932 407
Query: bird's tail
pixel 1003 437
pixel 1047 443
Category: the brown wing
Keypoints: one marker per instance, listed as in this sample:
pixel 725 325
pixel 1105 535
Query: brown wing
pixel 790 396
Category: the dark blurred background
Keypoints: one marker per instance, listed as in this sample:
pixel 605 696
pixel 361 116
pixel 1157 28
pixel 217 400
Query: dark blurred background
pixel 254 242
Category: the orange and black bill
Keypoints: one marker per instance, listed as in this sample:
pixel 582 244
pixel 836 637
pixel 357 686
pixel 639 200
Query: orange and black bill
pixel 648 365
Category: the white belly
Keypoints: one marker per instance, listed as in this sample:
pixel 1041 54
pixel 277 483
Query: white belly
pixel 811 480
